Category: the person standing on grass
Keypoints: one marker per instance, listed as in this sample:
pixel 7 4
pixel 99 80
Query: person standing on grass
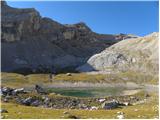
pixel 52 74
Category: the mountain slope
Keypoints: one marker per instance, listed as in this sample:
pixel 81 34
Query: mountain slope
pixel 33 43
pixel 137 54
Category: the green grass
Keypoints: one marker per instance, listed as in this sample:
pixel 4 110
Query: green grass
pixel 146 110
pixel 139 78
pixel 13 80
pixel 18 80
pixel 83 77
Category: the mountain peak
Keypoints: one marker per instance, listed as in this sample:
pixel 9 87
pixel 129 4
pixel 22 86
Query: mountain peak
pixel 42 42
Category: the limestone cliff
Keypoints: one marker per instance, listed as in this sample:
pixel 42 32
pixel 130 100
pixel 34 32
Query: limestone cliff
pixel 137 54
pixel 33 43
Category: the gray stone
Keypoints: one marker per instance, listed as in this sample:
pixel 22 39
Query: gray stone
pixel 28 101
pixel 83 106
pixel 3 111
pixel 39 89
pixel 69 74
pixel 65 112
pixel 8 97
pixel 19 100
pixel 17 91
pixel 121 116
pixel 35 103
pixel 47 102
pixel 6 90
pixel 101 100
pixel 2 117
pixel 5 100
pixel 110 105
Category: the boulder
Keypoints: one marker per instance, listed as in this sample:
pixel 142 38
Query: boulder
pixel 126 103
pixel 94 108
pixel 65 112
pixel 82 106
pixel 35 103
pixel 1 94
pixel 68 74
pixel 8 97
pixel 6 91
pixel 28 101
pixel 110 105
pixel 3 111
pixel 19 100
pixel 39 89
pixel 18 91
pixel 46 101
pixel 120 116
pixel 5 100
pixel 101 100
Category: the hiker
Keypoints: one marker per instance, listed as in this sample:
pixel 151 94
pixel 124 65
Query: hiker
pixel 51 75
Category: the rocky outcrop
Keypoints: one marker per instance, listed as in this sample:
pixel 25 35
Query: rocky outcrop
pixel 17 22
pixel 33 43
pixel 55 101
pixel 137 54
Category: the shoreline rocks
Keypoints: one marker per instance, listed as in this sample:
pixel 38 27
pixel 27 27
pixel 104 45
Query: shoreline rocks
pixel 32 98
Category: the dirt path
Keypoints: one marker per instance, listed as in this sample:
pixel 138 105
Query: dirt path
pixel 128 85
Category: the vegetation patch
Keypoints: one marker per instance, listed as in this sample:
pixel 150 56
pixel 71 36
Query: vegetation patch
pixel 148 110
pixel 18 80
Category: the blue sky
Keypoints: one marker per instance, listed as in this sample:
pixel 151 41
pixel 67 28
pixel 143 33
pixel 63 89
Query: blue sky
pixel 104 17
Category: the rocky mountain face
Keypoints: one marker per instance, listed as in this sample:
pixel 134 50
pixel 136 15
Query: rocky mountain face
pixel 32 43
pixel 137 54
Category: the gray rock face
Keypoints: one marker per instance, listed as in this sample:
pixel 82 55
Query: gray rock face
pixel 32 43
pixel 104 60
pixel 16 22
pixel 137 54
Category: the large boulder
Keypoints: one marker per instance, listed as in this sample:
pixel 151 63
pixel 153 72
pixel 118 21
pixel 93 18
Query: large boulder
pixel 6 91
pixel 110 105
pixel 40 90
pixel 3 111
pixel 28 101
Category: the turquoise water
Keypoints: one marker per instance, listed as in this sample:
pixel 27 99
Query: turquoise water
pixel 87 92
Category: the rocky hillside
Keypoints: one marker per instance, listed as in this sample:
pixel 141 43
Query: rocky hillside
pixel 31 43
pixel 137 54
